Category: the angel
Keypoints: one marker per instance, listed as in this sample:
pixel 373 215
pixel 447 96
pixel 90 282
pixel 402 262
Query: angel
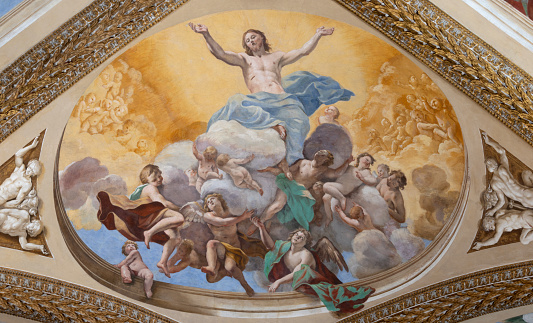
pixel 240 175
pixel 292 262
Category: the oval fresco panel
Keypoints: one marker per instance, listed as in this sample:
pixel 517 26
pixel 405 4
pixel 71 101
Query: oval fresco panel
pixel 242 126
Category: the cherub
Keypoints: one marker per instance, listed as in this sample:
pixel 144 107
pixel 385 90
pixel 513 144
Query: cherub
pixel 383 172
pixel 86 107
pixel 446 127
pixel 226 245
pixel 331 114
pixel 352 178
pixel 94 123
pixel 240 175
pixel 402 138
pixel 388 130
pixel 292 262
pixel 125 134
pixel 169 221
pixel 142 147
pixel 389 188
pixel 375 143
pixel 358 218
pixel 207 168
pixel 133 264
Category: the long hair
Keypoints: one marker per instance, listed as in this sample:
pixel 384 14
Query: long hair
pixel 220 198
pixel 401 176
pixel 306 233
pixel 247 49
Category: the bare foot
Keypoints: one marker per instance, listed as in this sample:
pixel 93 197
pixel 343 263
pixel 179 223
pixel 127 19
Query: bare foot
pixel 147 238
pixel 208 270
pixel 163 266
pixel 343 203
pixel 249 290
pixel 126 280
pixel 281 130
pixel 148 294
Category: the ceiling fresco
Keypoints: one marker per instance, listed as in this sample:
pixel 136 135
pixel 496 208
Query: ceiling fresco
pixel 267 157
pixel 157 104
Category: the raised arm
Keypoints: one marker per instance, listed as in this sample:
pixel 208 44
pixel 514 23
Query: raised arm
pixel 499 149
pixel 227 57
pixel 20 154
pixel 221 222
pixel 336 172
pixel 244 160
pixel 129 259
pixel 195 152
pixel 265 236
pixel 307 48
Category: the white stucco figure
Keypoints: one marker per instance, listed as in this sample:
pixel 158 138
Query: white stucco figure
pixel 503 183
pixel 507 221
pixel 18 185
pixel 16 223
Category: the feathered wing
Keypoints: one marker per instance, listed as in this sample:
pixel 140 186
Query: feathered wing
pixel 192 212
pixel 194 228
pixel 327 252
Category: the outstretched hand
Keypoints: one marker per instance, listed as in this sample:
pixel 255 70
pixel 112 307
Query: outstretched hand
pixel 248 214
pixel 325 32
pixel 272 288
pixel 35 142
pixel 201 29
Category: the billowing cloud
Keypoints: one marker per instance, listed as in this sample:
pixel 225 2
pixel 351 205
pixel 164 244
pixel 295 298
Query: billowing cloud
pixel 373 253
pixel 230 137
pixel 77 179
pixel 407 244
pixel 331 137
pixel 436 200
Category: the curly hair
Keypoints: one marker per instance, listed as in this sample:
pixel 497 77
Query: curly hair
pixel 401 176
pixel 247 50
pixel 147 171
pixel 328 154
pixel 372 159
pixel 306 233
pixel 220 198
pixel 127 243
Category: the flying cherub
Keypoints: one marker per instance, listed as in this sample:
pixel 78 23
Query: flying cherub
pixel 240 175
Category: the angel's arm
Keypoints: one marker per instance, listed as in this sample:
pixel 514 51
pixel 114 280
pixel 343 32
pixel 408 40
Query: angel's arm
pixel 244 160
pixel 265 236
pixel 180 266
pixel 220 222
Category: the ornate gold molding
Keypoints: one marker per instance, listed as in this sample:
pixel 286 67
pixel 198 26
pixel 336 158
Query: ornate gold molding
pixel 46 299
pixel 458 299
pixel 466 61
pixel 70 52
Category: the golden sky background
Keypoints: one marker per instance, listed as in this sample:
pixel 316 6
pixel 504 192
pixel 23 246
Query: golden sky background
pixel 192 84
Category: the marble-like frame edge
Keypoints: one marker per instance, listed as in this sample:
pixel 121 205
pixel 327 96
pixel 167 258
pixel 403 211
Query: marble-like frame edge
pixel 28 295
pixel 80 45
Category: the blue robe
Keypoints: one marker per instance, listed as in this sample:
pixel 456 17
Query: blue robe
pixel 305 93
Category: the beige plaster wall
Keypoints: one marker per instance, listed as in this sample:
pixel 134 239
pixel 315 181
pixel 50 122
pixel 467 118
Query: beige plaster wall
pixel 453 262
